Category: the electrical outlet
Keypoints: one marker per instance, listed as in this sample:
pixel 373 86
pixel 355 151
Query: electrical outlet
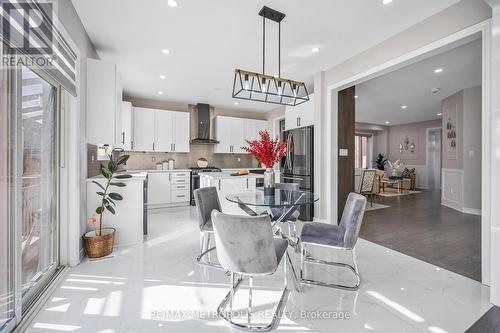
pixel 239 159
pixel 153 159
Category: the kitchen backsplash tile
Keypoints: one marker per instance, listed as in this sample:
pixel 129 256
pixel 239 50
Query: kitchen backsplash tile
pixel 148 160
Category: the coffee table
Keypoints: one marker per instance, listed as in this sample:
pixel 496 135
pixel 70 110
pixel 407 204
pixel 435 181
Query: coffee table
pixel 398 184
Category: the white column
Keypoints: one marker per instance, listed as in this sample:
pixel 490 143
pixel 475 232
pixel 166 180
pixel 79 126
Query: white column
pixel 495 154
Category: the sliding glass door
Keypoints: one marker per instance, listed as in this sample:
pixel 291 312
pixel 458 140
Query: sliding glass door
pixel 7 247
pixel 37 145
pixel 28 189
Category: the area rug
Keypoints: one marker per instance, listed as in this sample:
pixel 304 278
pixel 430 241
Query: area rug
pixel 394 193
pixel 375 206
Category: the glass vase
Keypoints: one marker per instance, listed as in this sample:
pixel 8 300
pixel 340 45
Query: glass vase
pixel 269 182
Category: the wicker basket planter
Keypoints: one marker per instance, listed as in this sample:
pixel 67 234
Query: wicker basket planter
pixel 99 246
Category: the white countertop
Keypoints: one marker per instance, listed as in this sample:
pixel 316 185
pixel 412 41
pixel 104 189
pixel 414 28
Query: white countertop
pixel 227 175
pixel 136 175
pixel 155 170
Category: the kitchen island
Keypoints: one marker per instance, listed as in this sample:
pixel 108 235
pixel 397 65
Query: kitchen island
pixel 226 183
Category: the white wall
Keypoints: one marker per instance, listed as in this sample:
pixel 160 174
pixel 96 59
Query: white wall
pixel 71 22
pixel 461 171
pixel 472 148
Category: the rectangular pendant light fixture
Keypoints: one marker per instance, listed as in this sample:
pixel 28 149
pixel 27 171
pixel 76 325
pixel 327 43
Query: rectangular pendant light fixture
pixel 264 88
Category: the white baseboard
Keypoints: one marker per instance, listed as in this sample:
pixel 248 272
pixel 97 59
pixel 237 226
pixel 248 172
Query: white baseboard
pixel 458 206
pixel 452 204
pixel 82 254
pixel 473 211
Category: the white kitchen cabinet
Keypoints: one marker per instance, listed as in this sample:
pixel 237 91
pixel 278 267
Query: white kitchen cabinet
pixel 223 135
pixel 181 135
pixel 301 115
pixel 144 134
pixel 126 115
pixel 104 97
pixel 163 131
pixel 159 192
pixel 227 184
pixel 232 133
pixel 259 125
pixel 169 188
pixel 237 135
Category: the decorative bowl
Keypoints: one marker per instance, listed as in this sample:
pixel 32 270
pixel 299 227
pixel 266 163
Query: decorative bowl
pixel 202 162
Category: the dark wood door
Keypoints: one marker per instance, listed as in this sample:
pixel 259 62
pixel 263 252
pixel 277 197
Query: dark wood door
pixel 346 119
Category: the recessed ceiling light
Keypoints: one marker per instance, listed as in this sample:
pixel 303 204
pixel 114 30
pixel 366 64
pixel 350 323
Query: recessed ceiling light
pixel 235 103
pixel 315 49
pixel 439 114
pixel 438 70
pixel 356 96
pixel 160 92
pixel 162 77
pixel 165 51
pixel 404 106
pixel 386 2
pixel 172 3
pixel 387 123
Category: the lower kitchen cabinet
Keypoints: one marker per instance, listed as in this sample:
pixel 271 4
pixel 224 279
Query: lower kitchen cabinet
pixel 227 184
pixel 168 188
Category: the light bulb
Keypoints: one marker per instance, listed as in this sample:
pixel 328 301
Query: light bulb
pixel 280 88
pixel 264 86
pixel 294 88
pixel 246 84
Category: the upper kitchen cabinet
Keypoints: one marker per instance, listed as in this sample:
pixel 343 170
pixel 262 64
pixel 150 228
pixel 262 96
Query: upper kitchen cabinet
pixel 164 137
pixel 301 115
pixel 144 129
pixel 161 130
pixel 104 103
pixel 181 133
pixel 232 132
pixel 126 115
pixel 229 132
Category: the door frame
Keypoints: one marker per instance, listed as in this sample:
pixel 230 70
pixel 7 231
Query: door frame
pixel 484 30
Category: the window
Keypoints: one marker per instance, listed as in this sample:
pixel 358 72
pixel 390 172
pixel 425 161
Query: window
pixel 362 151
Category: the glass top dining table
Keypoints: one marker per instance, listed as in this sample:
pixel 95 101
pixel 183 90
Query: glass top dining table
pixel 280 199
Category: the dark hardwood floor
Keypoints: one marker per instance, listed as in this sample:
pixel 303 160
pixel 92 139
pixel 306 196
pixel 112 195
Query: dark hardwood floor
pixel 419 226
pixel 488 323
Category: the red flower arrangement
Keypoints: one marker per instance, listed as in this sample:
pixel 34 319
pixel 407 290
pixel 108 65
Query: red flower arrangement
pixel 266 150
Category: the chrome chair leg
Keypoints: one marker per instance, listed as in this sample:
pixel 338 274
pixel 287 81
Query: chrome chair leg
pixel 249 327
pixel 250 286
pixel 305 258
pixel 205 250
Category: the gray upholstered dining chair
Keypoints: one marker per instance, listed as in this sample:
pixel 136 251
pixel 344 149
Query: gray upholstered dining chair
pixel 342 237
pixel 246 247
pixel 207 200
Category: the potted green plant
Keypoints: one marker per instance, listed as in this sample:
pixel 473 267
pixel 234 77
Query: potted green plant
pixel 99 242
pixel 380 162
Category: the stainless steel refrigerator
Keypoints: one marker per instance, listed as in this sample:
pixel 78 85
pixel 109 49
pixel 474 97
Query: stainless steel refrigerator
pixel 298 165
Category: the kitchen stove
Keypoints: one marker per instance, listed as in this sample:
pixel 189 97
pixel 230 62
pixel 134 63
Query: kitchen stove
pixel 195 178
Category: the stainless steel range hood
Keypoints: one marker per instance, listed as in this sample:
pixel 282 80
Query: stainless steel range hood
pixel 203 126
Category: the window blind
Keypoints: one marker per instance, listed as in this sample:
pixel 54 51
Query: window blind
pixel 28 27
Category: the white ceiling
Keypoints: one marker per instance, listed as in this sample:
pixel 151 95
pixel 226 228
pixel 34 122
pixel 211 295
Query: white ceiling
pixel 209 39
pixel 380 99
